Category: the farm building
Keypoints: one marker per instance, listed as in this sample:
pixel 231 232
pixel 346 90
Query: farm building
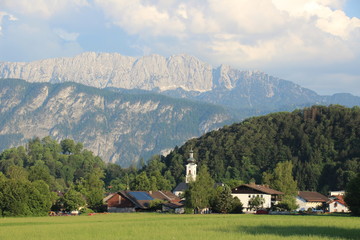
pixel 246 192
pixel 134 201
pixel 313 200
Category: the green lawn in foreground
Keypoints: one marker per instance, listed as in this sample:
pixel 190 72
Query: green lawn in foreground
pixel 171 226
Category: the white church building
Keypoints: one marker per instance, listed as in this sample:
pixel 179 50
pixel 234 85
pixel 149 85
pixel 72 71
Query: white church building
pixel 190 175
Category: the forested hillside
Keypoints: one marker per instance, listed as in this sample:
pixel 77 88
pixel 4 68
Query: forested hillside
pixel 323 143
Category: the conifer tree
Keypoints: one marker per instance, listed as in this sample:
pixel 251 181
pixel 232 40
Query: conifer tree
pixel 352 196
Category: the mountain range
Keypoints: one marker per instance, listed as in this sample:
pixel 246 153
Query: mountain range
pixel 208 97
pixel 119 127
pixel 179 76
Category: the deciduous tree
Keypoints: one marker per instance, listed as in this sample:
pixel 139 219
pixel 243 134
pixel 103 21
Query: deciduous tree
pixel 199 194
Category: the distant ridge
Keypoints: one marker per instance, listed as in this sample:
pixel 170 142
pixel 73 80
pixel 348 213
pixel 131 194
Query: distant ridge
pixel 179 76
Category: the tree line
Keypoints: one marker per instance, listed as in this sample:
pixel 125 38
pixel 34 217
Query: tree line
pixel 315 148
pixel 322 143
pixel 48 175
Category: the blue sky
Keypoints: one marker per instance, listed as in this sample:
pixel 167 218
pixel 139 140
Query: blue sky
pixel 315 43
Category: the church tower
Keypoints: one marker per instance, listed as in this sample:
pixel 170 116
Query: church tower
pixel 191 168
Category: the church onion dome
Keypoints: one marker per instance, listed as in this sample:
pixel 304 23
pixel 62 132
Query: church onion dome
pixel 191 159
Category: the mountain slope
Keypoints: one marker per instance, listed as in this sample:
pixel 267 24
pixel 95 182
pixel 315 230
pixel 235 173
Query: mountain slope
pixel 117 126
pixel 321 142
pixel 178 76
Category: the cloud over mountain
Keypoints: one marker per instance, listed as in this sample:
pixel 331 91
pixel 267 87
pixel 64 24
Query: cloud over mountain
pixel 311 42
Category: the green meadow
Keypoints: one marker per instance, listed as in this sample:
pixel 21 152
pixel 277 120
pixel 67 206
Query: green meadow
pixel 171 226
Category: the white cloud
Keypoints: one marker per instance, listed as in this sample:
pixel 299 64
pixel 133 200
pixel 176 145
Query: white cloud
pixel 246 17
pixel 67 36
pixel 277 36
pixel 260 30
pixel 141 18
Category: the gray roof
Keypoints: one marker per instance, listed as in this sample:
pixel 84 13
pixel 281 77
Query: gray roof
pixel 181 187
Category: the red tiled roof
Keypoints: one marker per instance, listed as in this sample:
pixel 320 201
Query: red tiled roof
pixel 339 199
pixel 312 196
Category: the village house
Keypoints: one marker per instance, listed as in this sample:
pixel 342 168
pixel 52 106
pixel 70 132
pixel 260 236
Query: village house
pixel 134 201
pixel 337 204
pixel 310 200
pixel 246 192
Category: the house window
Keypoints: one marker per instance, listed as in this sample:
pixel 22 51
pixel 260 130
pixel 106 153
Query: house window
pixel 249 196
pixel 335 205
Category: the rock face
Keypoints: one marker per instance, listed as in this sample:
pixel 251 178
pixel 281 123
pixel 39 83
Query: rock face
pixel 126 119
pixel 113 70
pixel 178 76
pixel 118 127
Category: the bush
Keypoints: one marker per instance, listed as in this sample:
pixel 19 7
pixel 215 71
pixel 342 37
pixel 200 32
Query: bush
pixel 86 211
pixel 237 206
pixel 189 210
pixel 156 204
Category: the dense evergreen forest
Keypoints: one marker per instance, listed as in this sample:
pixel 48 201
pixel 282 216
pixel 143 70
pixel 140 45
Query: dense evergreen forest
pixel 323 144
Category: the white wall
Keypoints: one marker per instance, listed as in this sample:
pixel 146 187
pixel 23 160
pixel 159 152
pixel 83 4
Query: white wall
pixel 304 205
pixel 190 172
pixel 336 193
pixel 178 193
pixel 245 197
pixel 337 207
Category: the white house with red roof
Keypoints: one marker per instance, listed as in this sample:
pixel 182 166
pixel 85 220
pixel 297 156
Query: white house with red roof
pixel 337 204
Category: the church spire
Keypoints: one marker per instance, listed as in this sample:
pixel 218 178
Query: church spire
pixel 191 168
pixel 191 158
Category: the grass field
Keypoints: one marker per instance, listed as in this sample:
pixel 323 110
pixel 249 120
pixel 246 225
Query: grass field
pixel 171 226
